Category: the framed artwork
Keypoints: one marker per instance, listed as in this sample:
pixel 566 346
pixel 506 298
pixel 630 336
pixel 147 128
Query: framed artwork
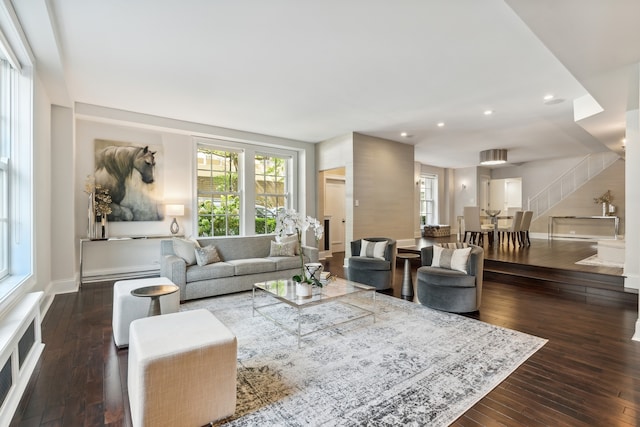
pixel 129 172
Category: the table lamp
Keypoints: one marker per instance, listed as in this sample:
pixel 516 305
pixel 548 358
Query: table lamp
pixel 174 211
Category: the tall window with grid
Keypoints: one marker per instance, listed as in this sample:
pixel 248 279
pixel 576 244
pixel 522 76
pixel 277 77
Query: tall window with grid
pixel 428 199
pixel 218 187
pixel 271 189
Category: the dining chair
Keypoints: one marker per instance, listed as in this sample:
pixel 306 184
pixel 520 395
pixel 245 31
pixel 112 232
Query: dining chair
pixel 475 228
pixel 513 231
pixel 524 228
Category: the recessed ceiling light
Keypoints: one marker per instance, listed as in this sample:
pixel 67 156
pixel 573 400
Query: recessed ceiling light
pixel 548 97
pixel 404 134
pixel 440 124
pixel 488 112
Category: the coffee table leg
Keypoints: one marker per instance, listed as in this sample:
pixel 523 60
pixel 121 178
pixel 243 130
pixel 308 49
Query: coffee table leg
pixel 154 307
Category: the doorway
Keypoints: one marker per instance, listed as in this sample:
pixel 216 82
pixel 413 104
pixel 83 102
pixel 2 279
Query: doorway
pixel 334 207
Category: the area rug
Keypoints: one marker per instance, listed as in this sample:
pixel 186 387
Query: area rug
pixel 413 366
pixel 594 260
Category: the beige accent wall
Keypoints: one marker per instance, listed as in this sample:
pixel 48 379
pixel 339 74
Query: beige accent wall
pixel 383 188
pixel 581 203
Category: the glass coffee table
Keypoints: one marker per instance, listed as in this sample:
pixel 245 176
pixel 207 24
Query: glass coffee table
pixel 339 290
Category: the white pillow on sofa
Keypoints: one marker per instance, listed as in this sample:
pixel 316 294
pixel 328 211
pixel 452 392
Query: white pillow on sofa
pixel 373 249
pixel 451 259
pixel 186 249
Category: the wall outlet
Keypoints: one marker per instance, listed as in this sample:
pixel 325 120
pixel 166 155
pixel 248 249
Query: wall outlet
pixel 572 232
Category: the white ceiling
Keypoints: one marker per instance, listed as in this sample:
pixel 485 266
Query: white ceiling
pixel 312 70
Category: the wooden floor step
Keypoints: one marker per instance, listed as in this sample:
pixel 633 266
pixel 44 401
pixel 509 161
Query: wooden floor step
pixel 550 274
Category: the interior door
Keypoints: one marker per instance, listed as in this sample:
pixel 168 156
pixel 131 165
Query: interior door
pixel 335 208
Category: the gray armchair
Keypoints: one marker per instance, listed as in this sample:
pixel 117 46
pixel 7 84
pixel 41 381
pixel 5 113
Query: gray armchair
pixel 373 271
pixel 451 290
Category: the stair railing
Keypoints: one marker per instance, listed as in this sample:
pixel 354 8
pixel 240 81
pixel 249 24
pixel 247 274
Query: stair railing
pixel 570 181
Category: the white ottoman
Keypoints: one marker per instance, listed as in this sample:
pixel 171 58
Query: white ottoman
pixel 182 370
pixel 127 308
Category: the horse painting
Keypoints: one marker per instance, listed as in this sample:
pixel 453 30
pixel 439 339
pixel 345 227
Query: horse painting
pixel 128 173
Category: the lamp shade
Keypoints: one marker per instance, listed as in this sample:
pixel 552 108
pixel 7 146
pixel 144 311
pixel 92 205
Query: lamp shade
pixel 495 156
pixel 174 210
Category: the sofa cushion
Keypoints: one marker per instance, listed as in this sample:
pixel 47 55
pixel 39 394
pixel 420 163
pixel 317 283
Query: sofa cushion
pixel 210 271
pixel 185 249
pixel 447 278
pixel 286 262
pixel 280 249
pixel 207 255
pixel 252 265
pixel 366 263
pixel 293 238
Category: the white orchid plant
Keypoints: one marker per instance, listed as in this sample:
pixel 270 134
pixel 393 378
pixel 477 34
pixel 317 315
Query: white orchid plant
pixel 289 222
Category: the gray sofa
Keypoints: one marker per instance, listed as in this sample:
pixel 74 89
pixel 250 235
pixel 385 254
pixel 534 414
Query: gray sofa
pixel 244 261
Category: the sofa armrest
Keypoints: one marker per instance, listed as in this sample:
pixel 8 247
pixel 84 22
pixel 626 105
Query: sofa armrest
pixel 311 253
pixel 174 268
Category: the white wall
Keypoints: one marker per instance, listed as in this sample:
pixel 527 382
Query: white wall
pixel 40 235
pixel 62 165
pixel 536 175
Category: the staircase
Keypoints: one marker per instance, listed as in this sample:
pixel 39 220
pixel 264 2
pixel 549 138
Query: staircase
pixel 570 181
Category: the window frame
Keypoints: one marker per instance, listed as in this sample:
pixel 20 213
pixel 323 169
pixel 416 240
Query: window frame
pixel 224 194
pixel 246 177
pixel 425 201
pixel 286 194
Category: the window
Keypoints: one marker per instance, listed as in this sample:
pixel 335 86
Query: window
pixel 218 190
pixel 428 199
pixel 6 121
pixel 271 189
pixel 234 198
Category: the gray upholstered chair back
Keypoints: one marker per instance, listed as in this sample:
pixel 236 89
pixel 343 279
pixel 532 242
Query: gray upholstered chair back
pixel 389 253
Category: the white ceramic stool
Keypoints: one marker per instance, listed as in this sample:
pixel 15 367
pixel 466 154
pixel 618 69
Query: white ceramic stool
pixel 127 308
pixel 181 370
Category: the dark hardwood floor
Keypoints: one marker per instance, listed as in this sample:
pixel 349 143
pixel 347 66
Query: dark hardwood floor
pixel 588 374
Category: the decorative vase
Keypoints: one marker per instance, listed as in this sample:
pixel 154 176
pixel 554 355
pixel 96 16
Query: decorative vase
pixel 604 209
pixel 304 290
pixel 91 218
pixel 103 231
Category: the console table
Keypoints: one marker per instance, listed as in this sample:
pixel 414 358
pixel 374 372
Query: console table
pixel 614 219
pixel 125 243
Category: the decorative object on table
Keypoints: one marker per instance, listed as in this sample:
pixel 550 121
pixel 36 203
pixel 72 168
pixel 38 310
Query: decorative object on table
pixel 304 290
pixel 174 211
pixel 604 200
pixel 291 222
pixel 313 271
pixel 99 208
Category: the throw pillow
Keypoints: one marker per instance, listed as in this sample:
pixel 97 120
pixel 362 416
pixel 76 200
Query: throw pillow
pixel 185 249
pixel 373 249
pixel 451 259
pixel 293 239
pixel 282 249
pixel 454 245
pixel 207 255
